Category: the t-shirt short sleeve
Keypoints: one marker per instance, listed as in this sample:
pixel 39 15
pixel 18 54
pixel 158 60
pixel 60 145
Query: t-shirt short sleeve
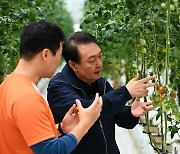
pixel 30 114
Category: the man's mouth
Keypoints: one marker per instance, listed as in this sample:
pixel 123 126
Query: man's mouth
pixel 97 72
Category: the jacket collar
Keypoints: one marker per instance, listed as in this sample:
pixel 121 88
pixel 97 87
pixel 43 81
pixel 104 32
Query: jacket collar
pixel 70 76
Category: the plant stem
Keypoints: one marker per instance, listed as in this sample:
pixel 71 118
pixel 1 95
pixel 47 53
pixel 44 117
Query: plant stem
pixel 167 62
pixel 167 39
pixel 152 141
pixel 162 132
pixel 155 49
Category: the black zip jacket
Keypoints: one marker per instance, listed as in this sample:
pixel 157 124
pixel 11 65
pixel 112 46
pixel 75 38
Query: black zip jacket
pixel 65 87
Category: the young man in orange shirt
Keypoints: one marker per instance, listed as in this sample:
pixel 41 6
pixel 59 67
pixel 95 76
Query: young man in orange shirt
pixel 26 122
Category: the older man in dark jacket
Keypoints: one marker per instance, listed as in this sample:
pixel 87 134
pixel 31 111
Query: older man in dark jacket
pixel 81 78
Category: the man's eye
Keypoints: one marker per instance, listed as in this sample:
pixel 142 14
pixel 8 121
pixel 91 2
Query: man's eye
pixel 91 61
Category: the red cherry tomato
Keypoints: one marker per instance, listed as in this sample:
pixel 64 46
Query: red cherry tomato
pixel 76 110
pixel 161 90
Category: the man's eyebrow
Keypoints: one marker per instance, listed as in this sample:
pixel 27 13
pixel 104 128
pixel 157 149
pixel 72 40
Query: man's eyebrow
pixel 91 57
pixel 100 52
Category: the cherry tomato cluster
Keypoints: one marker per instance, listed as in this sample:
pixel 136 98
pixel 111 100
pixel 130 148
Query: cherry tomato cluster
pixel 142 42
pixel 135 70
pixel 165 99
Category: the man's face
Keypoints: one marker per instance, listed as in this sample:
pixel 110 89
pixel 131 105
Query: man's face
pixel 90 67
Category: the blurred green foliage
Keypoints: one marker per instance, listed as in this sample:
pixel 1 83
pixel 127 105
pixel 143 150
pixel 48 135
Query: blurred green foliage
pixel 14 14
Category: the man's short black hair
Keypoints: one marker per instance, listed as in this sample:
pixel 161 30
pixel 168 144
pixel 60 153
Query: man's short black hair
pixel 39 35
pixel 70 49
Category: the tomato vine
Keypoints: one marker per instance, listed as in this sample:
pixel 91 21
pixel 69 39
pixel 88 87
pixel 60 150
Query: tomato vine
pixel 141 36
pixel 14 14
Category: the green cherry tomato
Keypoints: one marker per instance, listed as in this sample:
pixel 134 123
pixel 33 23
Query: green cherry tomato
pixel 143 50
pixel 134 65
pixel 175 1
pixel 172 7
pixel 142 41
pixel 177 116
pixel 163 5
pixel 165 105
pixel 136 70
pixel 161 99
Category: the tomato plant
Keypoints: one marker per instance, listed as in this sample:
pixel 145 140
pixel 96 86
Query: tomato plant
pixel 14 14
pixel 140 36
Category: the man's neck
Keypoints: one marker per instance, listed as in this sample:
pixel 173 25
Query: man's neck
pixel 87 82
pixel 27 68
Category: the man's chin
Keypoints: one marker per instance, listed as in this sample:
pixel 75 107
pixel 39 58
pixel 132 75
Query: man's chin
pixel 99 76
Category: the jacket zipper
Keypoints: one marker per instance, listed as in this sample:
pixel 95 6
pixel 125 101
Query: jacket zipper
pixel 100 123
pixel 79 89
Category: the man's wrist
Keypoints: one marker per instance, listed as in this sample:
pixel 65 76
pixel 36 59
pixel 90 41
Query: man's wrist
pixel 60 129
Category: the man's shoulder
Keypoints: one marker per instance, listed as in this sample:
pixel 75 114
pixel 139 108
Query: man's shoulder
pixel 56 76
pixel 66 75
pixel 56 80
pixel 61 74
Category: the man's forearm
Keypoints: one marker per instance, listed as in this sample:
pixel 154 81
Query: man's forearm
pixel 65 144
pixel 79 134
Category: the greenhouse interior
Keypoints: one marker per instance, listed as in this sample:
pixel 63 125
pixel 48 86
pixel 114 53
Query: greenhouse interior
pixel 135 37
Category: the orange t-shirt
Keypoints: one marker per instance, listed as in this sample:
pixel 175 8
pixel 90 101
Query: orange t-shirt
pixel 25 117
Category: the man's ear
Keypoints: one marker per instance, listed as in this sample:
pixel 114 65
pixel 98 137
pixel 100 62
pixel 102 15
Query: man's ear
pixel 45 54
pixel 73 65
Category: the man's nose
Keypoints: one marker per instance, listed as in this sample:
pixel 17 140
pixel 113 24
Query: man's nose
pixel 99 63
